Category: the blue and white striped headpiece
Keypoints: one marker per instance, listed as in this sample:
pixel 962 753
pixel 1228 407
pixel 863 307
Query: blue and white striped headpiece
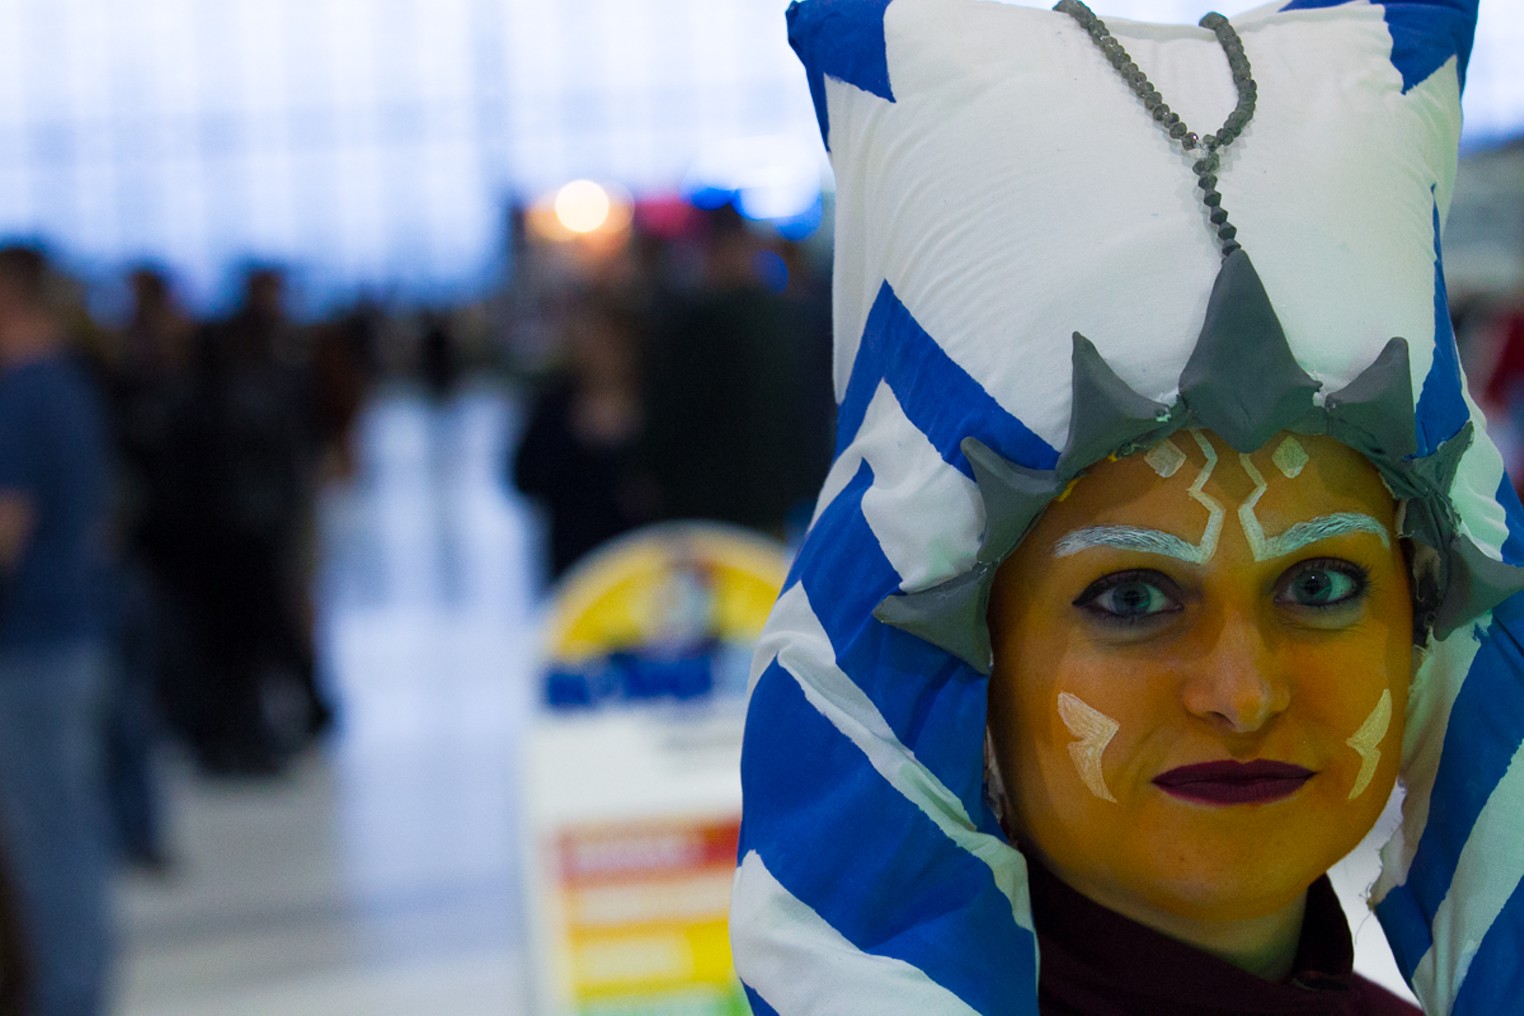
pixel 999 189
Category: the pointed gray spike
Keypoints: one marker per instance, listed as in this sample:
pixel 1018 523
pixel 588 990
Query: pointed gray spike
pixel 950 616
pixel 1013 497
pixel 1477 583
pixel 1242 380
pixel 1437 470
pixel 1106 415
pixel 1373 414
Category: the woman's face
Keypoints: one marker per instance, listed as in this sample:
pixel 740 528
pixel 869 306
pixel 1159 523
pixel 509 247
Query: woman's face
pixel 1201 668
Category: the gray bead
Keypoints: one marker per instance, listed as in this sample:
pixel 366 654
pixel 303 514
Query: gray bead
pixel 1177 130
pixel 1211 199
pixel 1219 215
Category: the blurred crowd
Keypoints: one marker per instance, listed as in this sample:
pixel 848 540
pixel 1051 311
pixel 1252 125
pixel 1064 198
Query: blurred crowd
pixel 682 374
pixel 159 490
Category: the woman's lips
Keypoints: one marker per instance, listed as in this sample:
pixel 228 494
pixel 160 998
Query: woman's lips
pixel 1230 782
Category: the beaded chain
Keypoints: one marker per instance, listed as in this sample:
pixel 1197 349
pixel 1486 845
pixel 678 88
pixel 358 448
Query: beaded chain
pixel 1207 148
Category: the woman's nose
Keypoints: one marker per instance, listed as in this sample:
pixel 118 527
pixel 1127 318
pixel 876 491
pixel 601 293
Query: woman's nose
pixel 1236 683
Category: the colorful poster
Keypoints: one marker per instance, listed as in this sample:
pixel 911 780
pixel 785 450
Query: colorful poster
pixel 633 786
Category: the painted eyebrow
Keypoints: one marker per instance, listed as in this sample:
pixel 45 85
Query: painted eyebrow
pixel 1323 527
pixel 1149 541
pixel 1155 541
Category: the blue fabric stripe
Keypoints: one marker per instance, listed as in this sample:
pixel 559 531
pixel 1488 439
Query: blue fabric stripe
pixel 1407 929
pixel 1442 411
pixel 845 40
pixel 1495 980
pixel 934 703
pixel 943 401
pixel 1425 33
pixel 905 891
pixel 758 1007
pixel 1485 731
pixel 1513 546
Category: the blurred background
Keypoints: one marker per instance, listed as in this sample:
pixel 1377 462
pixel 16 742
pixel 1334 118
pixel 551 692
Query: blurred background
pixel 420 334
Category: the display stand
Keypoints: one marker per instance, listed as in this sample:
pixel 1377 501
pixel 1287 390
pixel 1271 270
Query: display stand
pixel 633 793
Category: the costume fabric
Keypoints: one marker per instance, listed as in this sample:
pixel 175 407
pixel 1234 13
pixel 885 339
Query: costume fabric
pixel 1000 188
pixel 1097 963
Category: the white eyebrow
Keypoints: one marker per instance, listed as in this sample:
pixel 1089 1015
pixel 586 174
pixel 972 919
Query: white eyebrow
pixel 1149 541
pixel 1155 541
pixel 1323 527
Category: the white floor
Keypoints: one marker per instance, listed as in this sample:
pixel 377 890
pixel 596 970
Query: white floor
pixel 380 877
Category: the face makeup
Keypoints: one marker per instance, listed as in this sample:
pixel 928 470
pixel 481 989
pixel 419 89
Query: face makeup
pixel 1229 782
pixel 1173 699
pixel 1094 731
pixel 1366 743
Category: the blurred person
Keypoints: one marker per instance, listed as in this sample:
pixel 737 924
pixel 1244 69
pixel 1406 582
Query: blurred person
pixel 1503 394
pixel 439 358
pixel 244 452
pixel 53 503
pixel 147 379
pixel 13 967
pixel 577 455
pixel 342 379
pixel 727 433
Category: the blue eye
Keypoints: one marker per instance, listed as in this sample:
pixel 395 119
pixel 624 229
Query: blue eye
pixel 1322 583
pixel 1129 597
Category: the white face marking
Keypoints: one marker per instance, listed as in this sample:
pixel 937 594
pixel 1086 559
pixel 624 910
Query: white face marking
pixel 1154 541
pixel 1166 458
pixel 1215 510
pixel 1302 534
pixel 1263 547
pixel 1290 458
pixel 1095 730
pixel 1367 740
pixel 1149 541
pixel 1323 527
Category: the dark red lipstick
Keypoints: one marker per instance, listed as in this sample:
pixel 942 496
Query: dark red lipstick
pixel 1230 782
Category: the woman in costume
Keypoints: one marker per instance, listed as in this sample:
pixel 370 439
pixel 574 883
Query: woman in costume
pixel 1158 544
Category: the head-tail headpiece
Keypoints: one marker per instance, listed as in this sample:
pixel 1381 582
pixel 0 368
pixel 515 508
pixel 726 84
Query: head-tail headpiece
pixel 1023 287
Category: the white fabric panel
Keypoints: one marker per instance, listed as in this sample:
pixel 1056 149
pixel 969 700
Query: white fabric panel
pixel 1430 700
pixel 1000 198
pixel 803 648
pixel 926 515
pixel 1475 490
pixel 801 966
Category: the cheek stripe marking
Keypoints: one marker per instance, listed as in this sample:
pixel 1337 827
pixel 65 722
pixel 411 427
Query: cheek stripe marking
pixel 1095 730
pixel 1367 740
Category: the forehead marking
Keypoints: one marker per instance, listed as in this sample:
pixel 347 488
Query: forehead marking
pixel 1215 510
pixel 1290 458
pixel 1367 742
pixel 1094 730
pixel 1166 458
pixel 1302 534
pixel 1154 541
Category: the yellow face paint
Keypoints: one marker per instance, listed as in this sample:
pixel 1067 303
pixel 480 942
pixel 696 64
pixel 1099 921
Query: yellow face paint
pixel 1133 645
